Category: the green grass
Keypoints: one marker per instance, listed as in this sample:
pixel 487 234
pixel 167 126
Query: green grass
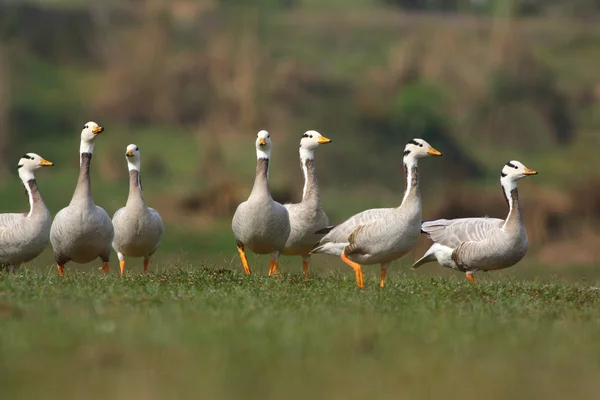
pixel 212 333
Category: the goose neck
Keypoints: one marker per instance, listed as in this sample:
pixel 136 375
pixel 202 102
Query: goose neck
pixel 511 195
pixel 261 180
pixel 33 195
pixel 135 188
pixel 311 186
pixel 83 190
pixel 411 174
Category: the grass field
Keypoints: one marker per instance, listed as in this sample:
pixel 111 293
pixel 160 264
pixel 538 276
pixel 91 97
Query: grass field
pixel 215 333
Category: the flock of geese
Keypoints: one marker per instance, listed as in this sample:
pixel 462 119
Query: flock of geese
pixel 83 231
pixel 380 235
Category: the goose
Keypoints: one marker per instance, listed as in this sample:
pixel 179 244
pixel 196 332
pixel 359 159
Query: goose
pixel 82 231
pixel 473 244
pixel 138 228
pixel 260 223
pixel 306 217
pixel 23 237
pixel 381 235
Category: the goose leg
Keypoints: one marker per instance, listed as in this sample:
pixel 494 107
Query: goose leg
pixel 357 269
pixel 121 263
pixel 240 247
pixel 61 269
pixel 384 268
pixel 305 261
pixel 469 276
pixel 273 263
pixel 146 261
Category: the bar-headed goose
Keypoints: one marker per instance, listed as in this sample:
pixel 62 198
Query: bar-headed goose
pixel 24 236
pixel 473 244
pixel 307 217
pixel 260 223
pixel 82 231
pixel 381 235
pixel 138 228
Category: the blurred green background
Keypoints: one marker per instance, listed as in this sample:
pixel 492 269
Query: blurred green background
pixel 191 82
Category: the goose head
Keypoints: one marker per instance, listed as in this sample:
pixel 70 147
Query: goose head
pixel 419 148
pixel 309 142
pixel 515 170
pixel 263 144
pixel 132 155
pixel 29 163
pixel 89 133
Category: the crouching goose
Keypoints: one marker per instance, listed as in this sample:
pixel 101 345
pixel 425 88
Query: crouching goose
pixel 473 244
pixel 381 235
pixel 260 223
pixel 24 236
pixel 82 231
pixel 306 217
pixel 138 228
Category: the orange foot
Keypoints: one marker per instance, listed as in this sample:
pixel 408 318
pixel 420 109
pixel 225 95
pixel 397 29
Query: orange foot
pixel 357 270
pixel 244 260
pixel 383 273
pixel 122 265
pixel 105 268
pixel 273 268
pixel 470 277
pixel 61 269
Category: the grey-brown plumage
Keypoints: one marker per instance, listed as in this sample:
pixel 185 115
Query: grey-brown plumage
pixel 380 236
pixel 306 217
pixel 473 244
pixel 138 228
pixel 260 223
pixel 23 237
pixel 82 231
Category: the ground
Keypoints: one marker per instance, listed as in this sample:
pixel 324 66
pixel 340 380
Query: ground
pixel 215 333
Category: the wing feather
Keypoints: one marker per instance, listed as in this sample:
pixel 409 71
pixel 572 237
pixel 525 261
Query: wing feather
pixel 453 232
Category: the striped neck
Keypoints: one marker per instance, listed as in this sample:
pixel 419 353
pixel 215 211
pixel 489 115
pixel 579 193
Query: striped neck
pixel 511 195
pixel 411 174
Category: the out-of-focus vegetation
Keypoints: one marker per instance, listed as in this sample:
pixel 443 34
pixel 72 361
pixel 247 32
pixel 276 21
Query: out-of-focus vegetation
pixel 191 82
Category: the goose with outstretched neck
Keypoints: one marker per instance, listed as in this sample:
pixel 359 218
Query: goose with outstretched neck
pixel 381 235
pixel 260 223
pixel 481 244
pixel 138 228
pixel 82 231
pixel 307 217
pixel 23 237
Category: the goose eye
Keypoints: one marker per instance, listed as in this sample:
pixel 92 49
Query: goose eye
pixel 137 149
pixel 420 144
pixel 310 136
pixel 516 167
pixel 268 136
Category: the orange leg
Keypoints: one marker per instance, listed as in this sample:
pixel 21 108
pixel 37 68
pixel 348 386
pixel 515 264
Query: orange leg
pixel 470 277
pixel 244 260
pixel 383 273
pixel 105 268
pixel 122 265
pixel 146 261
pixel 61 269
pixel 357 270
pixel 273 263
pixel 305 261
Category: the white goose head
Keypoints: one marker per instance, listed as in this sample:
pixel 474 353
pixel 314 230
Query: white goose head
pixel 29 163
pixel 89 133
pixel 309 142
pixel 263 144
pixel 512 172
pixel 418 148
pixel 132 155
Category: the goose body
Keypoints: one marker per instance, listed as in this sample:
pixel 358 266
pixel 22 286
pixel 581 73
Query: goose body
pixel 473 244
pixel 381 235
pixel 82 231
pixel 138 228
pixel 260 223
pixel 23 237
pixel 306 217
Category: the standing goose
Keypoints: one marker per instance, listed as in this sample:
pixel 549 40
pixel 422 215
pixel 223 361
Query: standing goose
pixel 381 235
pixel 473 244
pixel 138 228
pixel 306 217
pixel 82 231
pixel 24 236
pixel 260 223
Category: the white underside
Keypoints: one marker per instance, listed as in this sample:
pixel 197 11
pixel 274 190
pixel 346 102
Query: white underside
pixel 441 253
